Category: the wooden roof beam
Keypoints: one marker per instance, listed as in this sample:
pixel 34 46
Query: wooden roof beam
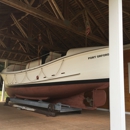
pixel 53 9
pixel 18 40
pixel 52 31
pixel 11 53
pixel 81 12
pixel 25 40
pixel 3 44
pixel 35 12
pixel 65 9
pixel 57 9
pixel 30 26
pixel 18 25
pixel 2 54
pixel 4 21
pixel 18 52
pixel 126 33
pixel 22 47
pixel 106 3
pixel 103 2
pixel 26 1
pixel 93 17
pixel 49 36
pixel 95 4
pixel 8 35
pixel 31 2
pixel 27 14
pixel 48 18
pixel 43 2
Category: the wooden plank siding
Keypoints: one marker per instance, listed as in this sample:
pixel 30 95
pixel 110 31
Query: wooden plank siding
pixel 126 80
pixel 126 84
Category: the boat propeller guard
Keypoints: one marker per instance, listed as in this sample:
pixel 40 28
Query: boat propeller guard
pixel 98 98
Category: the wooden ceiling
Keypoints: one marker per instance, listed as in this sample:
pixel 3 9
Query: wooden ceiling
pixel 27 27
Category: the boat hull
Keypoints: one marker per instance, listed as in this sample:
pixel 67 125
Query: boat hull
pixel 66 77
pixel 48 91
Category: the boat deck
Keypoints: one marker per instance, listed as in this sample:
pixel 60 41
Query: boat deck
pixel 15 119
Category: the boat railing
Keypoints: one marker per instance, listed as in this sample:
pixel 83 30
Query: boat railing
pixel 35 61
pixel 26 64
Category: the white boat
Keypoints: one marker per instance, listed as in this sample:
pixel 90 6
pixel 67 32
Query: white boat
pixel 69 79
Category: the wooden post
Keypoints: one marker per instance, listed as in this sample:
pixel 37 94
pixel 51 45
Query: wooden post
pixel 3 86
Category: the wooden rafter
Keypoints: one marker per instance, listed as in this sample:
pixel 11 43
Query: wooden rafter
pixel 27 48
pixel 22 47
pixel 95 4
pixel 26 41
pixel 8 55
pixel 37 23
pixel 17 38
pixel 14 57
pixel 2 54
pixel 49 36
pixel 26 1
pixel 27 13
pixel 4 21
pixel 65 9
pixel 44 16
pixel 18 26
pixel 57 9
pixel 103 1
pixel 25 58
pixel 81 12
pixel 30 26
pixel 3 44
pixel 43 2
pixel 52 6
pixel 20 59
pixel 12 50
pixel 53 32
pixel 31 2
pixel 106 3
pixel 93 17
pixel 18 52
pixel 126 33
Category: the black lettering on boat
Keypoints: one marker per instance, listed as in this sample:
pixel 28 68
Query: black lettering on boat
pixel 102 55
pixel 92 57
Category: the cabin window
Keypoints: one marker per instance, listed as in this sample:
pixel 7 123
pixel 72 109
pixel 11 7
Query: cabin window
pixel 129 75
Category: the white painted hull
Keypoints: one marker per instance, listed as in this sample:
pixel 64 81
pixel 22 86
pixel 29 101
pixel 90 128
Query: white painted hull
pixel 91 65
pixel 67 79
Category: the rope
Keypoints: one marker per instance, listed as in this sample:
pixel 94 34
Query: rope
pixel 26 75
pixel 22 79
pixel 6 79
pixel 43 72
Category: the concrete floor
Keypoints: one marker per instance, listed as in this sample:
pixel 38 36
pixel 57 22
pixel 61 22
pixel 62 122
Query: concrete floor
pixel 14 119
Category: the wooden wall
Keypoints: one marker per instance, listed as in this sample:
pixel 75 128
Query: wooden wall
pixel 126 80
pixel 126 83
